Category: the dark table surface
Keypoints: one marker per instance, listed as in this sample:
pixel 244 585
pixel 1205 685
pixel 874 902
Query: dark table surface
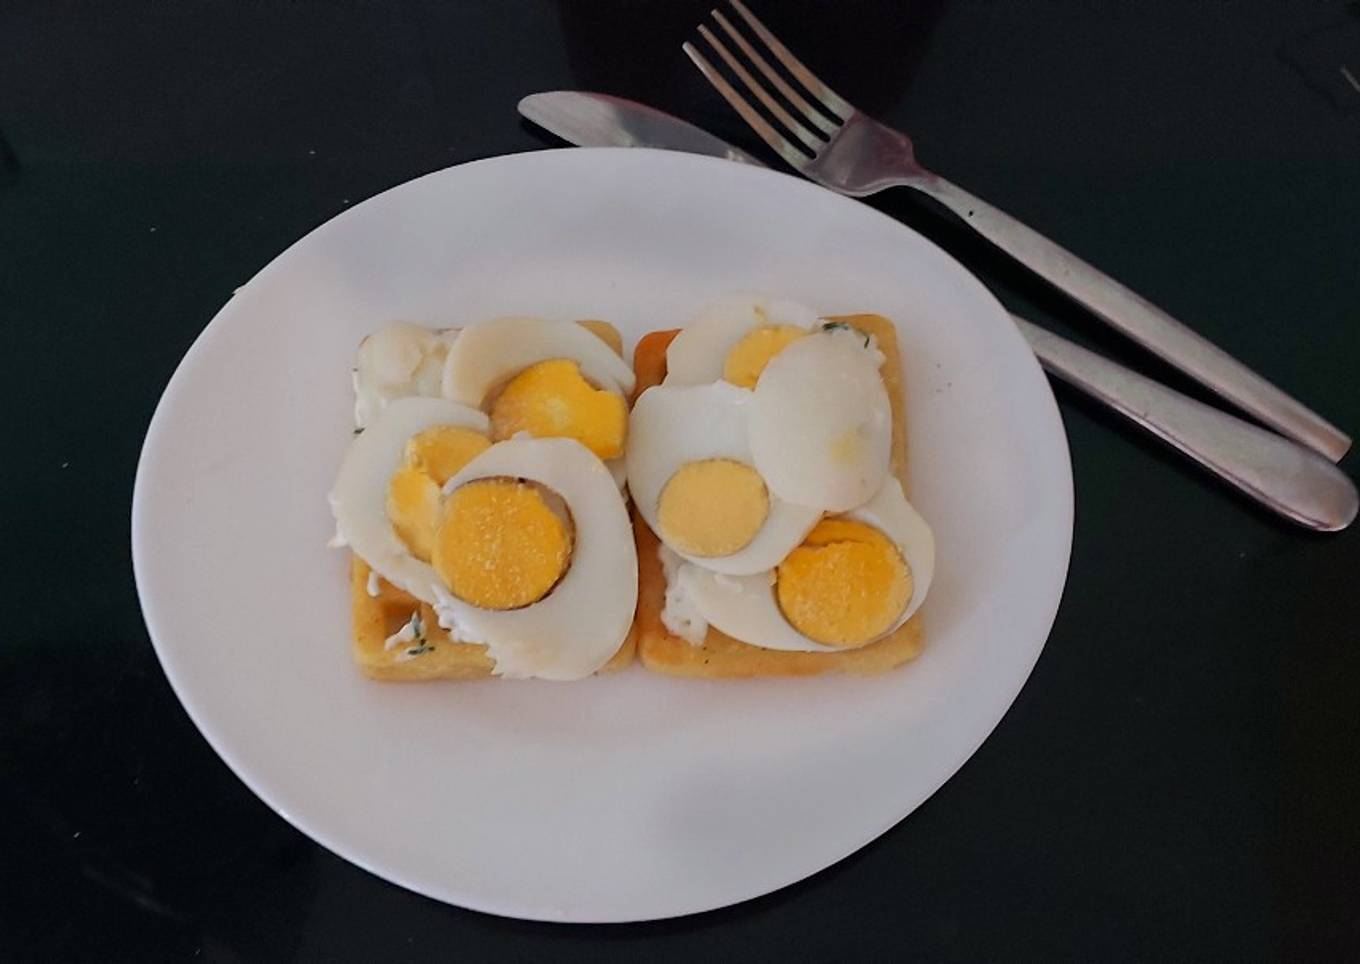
pixel 1179 779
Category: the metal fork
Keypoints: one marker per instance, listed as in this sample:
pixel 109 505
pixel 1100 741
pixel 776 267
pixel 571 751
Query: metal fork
pixel 843 149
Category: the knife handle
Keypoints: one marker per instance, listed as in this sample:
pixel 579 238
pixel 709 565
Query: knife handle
pixel 1296 482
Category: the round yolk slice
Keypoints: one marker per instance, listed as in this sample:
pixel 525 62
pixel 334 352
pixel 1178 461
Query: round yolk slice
pixel 432 458
pixel 748 357
pixel 845 585
pixel 553 400
pixel 712 508
pixel 501 544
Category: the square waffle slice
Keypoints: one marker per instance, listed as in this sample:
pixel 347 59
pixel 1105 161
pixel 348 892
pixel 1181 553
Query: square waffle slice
pixel 720 655
pixel 434 654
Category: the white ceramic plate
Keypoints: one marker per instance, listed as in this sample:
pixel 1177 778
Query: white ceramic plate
pixel 632 796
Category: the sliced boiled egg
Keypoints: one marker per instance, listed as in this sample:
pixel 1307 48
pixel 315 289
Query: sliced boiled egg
pixel 846 583
pixel 821 421
pixel 693 479
pixel 524 546
pixel 734 339
pixel 552 399
pixel 398 361
pixel 535 559
pixel 488 354
pixel 545 378
pixel 856 578
pixel 503 543
pixel 386 497
pixel 413 500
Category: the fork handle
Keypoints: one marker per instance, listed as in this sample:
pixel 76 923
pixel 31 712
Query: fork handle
pixel 1297 483
pixel 1141 320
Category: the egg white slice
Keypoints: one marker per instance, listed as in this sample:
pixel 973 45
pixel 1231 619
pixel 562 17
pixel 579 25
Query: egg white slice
pixel 745 607
pixel 359 497
pixel 490 352
pixel 580 624
pixel 673 425
pixel 618 470
pixel 698 353
pixel 396 361
pixel 821 421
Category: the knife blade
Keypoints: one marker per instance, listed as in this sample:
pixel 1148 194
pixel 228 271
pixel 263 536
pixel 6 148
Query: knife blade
pixel 1296 482
pixel 600 120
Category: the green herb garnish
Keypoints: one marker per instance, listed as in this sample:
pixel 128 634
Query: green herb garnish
pixel 423 645
pixel 843 326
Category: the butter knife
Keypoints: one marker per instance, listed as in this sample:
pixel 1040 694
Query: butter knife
pixel 1295 482
pixel 599 120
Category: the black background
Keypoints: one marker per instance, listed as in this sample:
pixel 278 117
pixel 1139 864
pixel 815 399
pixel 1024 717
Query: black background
pixel 1179 778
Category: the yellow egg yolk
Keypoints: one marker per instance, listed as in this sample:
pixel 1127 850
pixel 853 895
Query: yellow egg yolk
pixel 432 458
pixel 502 543
pixel 845 585
pixel 748 357
pixel 553 400
pixel 713 507
pixel 440 452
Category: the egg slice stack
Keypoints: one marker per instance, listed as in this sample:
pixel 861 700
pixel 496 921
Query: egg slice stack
pixel 484 479
pixel 762 465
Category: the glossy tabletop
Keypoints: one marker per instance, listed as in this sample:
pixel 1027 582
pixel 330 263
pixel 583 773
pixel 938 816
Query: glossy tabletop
pixel 1179 778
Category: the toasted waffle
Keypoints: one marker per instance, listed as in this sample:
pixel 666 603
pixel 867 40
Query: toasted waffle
pixel 720 655
pixel 377 618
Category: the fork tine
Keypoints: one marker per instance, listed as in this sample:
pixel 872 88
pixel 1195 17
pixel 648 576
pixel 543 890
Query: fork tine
pixel 807 78
pixel 772 105
pixel 791 95
pixel 778 142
